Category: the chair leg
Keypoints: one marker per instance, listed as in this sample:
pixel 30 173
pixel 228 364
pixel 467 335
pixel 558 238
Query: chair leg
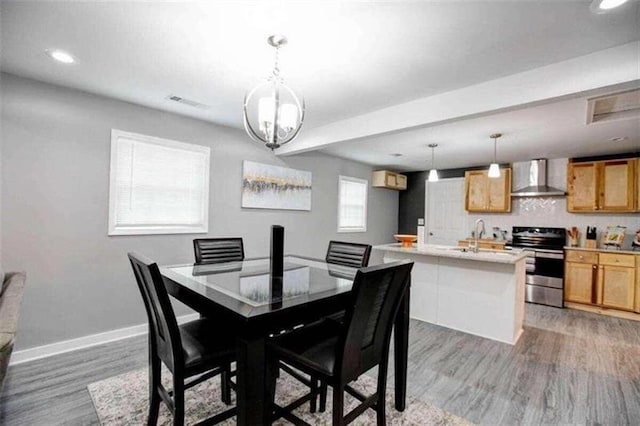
pixel 225 388
pixel 338 406
pixel 154 394
pixel 178 399
pixel 314 390
pixel 381 418
pixel 323 397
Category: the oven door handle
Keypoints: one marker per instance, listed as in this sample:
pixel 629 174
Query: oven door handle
pixel 550 255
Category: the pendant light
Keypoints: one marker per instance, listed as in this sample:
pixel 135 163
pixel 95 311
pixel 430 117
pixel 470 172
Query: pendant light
pixel 273 114
pixel 433 173
pixel 494 168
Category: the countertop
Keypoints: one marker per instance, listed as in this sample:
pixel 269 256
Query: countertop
pixel 602 250
pixel 495 256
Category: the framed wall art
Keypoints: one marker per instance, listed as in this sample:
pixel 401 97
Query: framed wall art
pixel 265 186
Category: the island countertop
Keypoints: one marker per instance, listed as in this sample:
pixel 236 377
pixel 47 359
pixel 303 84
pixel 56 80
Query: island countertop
pixel 495 256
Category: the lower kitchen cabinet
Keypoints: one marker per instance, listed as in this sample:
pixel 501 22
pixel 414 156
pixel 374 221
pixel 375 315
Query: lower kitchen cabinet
pixel 606 279
pixel 579 282
pixel 618 287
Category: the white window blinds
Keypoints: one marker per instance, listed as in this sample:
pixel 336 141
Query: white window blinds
pixel 157 186
pixel 352 204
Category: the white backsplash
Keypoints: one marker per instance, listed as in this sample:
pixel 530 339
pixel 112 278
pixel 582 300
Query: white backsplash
pixel 552 211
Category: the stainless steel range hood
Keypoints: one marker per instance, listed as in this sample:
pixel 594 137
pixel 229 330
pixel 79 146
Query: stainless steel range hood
pixel 538 182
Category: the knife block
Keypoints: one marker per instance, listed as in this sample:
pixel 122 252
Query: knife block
pixel 590 244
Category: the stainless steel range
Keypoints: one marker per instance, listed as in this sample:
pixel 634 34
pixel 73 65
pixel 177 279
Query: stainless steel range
pixel 545 263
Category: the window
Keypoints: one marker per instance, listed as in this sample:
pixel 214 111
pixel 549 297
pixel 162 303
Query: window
pixel 157 186
pixel 352 204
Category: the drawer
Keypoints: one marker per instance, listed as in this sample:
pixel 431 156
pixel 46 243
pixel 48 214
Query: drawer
pixel 614 259
pixel 579 256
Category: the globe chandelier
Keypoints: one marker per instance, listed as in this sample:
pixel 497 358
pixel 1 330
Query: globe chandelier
pixel 273 114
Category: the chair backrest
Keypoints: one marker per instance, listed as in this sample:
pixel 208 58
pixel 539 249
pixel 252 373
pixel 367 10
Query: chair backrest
pixel 164 335
pixel 376 295
pixel 348 254
pixel 218 250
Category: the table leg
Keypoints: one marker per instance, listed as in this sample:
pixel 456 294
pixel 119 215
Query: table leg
pixel 250 388
pixel 401 351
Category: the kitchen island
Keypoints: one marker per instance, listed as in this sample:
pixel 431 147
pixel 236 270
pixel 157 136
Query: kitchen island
pixel 479 293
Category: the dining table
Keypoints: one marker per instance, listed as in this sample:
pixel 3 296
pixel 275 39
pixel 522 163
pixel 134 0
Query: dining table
pixel 246 298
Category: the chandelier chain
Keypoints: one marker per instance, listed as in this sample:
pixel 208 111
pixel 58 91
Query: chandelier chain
pixel 276 66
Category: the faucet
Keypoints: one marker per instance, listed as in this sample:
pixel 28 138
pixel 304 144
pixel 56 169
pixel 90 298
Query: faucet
pixel 477 235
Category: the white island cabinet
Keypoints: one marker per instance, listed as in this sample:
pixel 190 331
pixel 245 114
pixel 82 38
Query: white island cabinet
pixel 479 293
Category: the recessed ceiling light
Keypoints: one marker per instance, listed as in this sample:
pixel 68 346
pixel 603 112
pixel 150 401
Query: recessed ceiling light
pixel 603 5
pixel 618 139
pixel 61 56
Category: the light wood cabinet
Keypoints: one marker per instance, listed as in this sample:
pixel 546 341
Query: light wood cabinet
pixel 617 284
pixel 602 186
pixel 617 184
pixel 637 304
pixel 582 185
pixel 484 243
pixel 476 190
pixel 606 279
pixel 638 184
pixel 579 282
pixel 485 194
pixel 389 180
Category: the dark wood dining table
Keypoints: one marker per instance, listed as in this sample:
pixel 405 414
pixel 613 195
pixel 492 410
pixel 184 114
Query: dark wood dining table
pixel 241 296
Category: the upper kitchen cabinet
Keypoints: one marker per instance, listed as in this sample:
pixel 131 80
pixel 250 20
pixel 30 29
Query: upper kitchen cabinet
pixel 485 194
pixel 617 184
pixel 602 186
pixel 582 187
pixel 389 180
pixel 638 184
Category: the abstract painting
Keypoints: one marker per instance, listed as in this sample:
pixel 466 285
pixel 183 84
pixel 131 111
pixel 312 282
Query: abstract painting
pixel 272 187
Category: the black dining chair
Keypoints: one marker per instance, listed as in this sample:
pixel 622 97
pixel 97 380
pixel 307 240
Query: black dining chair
pixel 348 254
pixel 337 354
pixel 218 250
pixel 197 350
pixel 339 253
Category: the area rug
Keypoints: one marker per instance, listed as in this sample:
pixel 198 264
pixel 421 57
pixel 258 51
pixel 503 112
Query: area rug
pixel 123 400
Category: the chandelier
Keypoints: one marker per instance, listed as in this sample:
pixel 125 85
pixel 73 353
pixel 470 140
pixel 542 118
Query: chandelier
pixel 272 112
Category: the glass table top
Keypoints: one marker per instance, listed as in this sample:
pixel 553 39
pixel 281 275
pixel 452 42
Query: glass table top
pixel 247 288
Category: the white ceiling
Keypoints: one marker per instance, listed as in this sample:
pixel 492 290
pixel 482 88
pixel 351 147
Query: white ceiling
pixel 347 58
pixel 553 130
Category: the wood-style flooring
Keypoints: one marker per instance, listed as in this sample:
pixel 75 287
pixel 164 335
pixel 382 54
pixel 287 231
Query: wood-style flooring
pixel 569 367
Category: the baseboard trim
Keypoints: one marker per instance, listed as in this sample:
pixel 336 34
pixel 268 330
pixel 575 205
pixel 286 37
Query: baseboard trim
pixel 603 311
pixel 39 352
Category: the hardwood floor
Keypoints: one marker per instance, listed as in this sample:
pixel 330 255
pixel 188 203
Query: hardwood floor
pixel 568 367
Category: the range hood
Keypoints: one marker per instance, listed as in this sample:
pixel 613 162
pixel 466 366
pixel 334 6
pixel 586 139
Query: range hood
pixel 538 182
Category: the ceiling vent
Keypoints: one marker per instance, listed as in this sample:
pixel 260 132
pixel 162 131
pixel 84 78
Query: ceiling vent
pixel 188 102
pixel 618 106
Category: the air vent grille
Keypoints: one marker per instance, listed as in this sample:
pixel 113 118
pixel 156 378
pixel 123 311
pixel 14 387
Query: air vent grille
pixel 618 106
pixel 188 102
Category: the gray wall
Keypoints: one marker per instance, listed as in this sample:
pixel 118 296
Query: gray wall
pixel 55 171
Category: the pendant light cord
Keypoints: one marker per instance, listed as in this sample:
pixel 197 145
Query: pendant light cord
pixel 495 150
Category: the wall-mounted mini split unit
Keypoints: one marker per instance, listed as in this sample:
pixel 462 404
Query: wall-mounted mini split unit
pixel 616 106
pixel 188 102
